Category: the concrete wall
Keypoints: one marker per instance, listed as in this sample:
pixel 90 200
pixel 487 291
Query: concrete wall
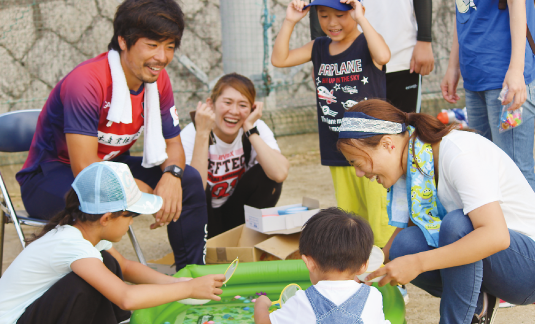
pixel 41 41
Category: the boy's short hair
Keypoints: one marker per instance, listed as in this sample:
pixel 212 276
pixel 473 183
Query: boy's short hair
pixel 153 19
pixel 337 240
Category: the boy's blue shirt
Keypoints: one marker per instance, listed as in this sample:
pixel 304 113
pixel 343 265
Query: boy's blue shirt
pixel 342 80
pixel 484 37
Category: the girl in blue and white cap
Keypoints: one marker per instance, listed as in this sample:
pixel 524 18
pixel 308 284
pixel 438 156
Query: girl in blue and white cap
pixel 70 273
pixel 472 207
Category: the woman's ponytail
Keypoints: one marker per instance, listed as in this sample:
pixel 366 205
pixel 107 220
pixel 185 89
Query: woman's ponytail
pixel 428 128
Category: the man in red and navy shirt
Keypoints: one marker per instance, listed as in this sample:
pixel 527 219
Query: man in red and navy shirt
pixel 73 130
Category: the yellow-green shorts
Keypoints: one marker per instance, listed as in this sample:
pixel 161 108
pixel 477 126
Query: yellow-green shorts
pixel 364 198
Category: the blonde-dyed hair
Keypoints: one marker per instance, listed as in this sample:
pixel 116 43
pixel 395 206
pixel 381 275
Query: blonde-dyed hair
pixel 237 81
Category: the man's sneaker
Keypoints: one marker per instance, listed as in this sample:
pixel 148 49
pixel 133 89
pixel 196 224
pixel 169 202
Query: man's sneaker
pixel 488 313
pixel 404 293
pixel 504 304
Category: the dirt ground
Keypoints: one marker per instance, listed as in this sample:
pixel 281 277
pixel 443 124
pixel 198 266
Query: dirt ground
pixel 306 178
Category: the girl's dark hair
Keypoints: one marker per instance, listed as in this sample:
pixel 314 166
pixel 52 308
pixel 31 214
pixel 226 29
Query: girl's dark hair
pixel 337 240
pixel 426 127
pixel 72 214
pixel 153 19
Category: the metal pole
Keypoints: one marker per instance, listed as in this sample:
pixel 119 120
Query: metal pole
pixel 11 211
pixel 2 226
pixel 136 246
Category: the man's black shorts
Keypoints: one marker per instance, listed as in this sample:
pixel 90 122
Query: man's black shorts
pixel 403 90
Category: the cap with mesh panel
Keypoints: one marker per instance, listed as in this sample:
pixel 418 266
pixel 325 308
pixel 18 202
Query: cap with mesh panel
pixel 109 187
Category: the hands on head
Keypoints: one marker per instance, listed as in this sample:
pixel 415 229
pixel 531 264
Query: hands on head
pixel 204 117
pixel 357 13
pixel 295 12
pixel 256 114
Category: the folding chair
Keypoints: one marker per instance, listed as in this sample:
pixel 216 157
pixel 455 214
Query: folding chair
pixel 16 134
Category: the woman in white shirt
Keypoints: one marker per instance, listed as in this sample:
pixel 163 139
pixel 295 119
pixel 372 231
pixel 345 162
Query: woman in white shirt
pixel 473 210
pixel 235 152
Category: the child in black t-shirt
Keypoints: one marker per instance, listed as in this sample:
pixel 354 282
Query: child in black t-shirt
pixel 349 66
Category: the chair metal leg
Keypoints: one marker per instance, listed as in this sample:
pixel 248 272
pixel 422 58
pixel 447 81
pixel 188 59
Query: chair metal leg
pixel 11 211
pixel 136 246
pixel 2 226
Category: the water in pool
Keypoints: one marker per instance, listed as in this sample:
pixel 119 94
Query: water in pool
pixel 228 310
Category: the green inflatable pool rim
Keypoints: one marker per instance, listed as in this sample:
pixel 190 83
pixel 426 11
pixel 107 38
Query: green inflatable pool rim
pixel 269 277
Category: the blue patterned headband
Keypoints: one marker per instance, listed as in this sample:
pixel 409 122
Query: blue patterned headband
pixel 360 125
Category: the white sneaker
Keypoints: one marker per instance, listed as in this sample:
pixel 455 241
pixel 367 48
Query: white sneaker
pixel 504 304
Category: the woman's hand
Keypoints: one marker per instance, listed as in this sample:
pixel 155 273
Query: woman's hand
pixel 295 11
pixel 255 115
pixel 357 13
pixel 401 270
pixel 204 118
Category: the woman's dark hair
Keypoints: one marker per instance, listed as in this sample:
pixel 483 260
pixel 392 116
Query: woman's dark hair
pixel 72 214
pixel 153 19
pixel 426 127
pixel 337 240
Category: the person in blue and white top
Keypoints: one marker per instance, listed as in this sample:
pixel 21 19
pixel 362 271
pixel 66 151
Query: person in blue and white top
pixel 463 210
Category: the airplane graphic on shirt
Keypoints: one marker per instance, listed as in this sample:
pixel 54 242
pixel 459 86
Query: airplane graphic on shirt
pixel 325 94
pixel 327 111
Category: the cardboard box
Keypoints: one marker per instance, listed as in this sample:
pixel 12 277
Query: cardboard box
pixel 249 246
pixel 283 224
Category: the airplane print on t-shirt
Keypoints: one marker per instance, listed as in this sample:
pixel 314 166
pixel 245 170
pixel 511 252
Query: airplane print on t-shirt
pixel 329 95
pixel 327 111
pixel 325 94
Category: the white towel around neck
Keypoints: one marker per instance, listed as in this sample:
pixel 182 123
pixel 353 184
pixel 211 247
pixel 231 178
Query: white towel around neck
pixel 154 147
